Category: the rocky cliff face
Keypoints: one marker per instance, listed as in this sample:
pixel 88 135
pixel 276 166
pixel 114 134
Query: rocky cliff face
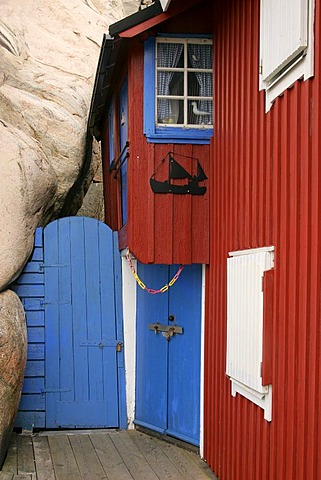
pixel 49 53
pixel 48 58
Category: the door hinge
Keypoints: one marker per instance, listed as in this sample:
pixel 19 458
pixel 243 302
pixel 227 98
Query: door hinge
pixel 53 265
pixel 119 346
pixel 62 302
pixel 54 390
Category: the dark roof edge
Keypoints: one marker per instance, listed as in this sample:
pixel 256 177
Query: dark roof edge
pixel 135 19
pixel 104 67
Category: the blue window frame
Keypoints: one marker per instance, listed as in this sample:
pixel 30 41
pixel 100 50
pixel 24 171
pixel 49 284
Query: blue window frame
pixel 178 84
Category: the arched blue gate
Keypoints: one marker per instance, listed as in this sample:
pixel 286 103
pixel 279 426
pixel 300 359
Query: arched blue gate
pixel 83 365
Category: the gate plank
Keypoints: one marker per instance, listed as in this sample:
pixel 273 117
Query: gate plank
pixel 93 302
pixel 78 273
pixel 33 385
pixel 63 459
pixel 30 420
pixel 32 402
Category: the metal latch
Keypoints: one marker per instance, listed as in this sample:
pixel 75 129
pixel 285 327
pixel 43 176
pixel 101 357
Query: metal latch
pixel 167 330
pixel 103 343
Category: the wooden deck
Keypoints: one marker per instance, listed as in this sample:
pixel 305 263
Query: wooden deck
pixel 101 455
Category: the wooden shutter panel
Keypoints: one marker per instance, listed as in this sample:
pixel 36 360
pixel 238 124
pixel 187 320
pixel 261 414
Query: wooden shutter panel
pixel 284 34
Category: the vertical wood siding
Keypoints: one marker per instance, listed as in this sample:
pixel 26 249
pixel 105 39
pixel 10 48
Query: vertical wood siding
pixel 162 228
pixel 265 184
pixel 30 288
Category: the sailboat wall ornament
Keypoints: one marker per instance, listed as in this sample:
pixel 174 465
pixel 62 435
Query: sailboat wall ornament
pixel 177 172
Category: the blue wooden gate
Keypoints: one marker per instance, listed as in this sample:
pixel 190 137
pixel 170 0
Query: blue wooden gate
pixel 168 371
pixel 82 383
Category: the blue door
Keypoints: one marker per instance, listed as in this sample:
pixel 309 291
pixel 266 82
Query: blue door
pixel 83 336
pixel 168 369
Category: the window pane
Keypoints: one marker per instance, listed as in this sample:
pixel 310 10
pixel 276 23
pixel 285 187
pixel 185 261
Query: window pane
pixel 170 55
pixel 170 83
pixel 170 111
pixel 200 84
pixel 200 56
pixel 200 112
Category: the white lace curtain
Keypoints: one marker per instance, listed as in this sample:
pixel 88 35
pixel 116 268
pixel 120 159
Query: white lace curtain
pixel 200 56
pixel 168 55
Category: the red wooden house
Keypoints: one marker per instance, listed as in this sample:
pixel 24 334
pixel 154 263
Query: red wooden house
pixel 256 227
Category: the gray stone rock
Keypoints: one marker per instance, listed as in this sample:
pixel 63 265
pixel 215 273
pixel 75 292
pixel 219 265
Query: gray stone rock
pixel 48 57
pixel 13 353
pixel 28 187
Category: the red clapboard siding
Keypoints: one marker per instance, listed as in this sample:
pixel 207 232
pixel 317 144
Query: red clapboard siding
pixel 265 190
pixel 162 228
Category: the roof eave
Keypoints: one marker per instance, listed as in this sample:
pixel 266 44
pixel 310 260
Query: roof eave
pixel 135 19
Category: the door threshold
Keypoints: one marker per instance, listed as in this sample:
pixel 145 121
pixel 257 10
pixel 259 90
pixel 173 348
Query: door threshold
pixel 89 431
pixel 169 439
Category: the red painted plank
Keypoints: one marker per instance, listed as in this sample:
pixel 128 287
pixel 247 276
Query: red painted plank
pixel 182 211
pixel 165 228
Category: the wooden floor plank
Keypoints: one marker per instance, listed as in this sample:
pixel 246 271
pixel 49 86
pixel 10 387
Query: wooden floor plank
pixel 202 464
pixel 26 462
pixel 133 459
pixel 44 464
pixel 86 458
pixel 63 459
pixel 24 476
pixel 155 456
pixel 6 476
pixel 11 462
pixel 109 457
pixel 182 461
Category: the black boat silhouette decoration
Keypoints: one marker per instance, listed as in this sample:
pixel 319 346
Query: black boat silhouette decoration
pixel 177 172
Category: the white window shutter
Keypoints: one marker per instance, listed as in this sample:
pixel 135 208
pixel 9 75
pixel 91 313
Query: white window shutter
pixel 284 34
pixel 244 348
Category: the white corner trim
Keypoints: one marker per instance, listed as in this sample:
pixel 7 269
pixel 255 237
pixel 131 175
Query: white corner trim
pixel 129 315
pixel 202 363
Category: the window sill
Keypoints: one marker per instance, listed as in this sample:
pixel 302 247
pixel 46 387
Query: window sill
pixel 180 135
pixel 262 400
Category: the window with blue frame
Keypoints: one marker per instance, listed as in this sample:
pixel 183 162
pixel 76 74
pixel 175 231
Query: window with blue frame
pixel 178 89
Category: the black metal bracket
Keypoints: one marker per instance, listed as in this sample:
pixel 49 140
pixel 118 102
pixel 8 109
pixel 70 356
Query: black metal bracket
pixel 116 164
